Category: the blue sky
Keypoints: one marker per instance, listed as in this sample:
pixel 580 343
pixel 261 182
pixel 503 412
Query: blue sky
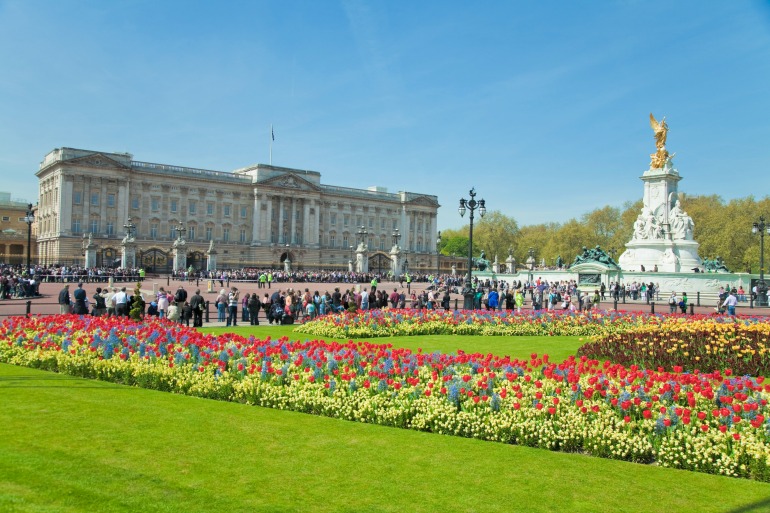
pixel 542 106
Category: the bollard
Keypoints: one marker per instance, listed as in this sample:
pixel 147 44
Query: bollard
pixel 692 309
pixel 455 303
pixel 697 298
pixel 652 307
pixel 207 310
pixel 168 280
pixel 624 298
pixel 615 304
pixel 29 308
pixel 751 301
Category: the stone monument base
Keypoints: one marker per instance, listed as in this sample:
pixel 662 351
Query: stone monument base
pixel 669 256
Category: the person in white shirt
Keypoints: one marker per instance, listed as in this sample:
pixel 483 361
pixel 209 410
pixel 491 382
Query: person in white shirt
pixel 121 303
pixel 730 303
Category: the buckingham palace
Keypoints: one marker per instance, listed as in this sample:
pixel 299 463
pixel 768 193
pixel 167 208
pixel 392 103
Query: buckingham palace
pixel 92 203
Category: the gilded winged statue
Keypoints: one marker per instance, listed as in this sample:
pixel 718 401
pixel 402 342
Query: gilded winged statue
pixel 658 159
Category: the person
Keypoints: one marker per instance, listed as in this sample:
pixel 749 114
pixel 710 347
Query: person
pixel 152 310
pixel 110 300
pixel 162 303
pixel 64 300
pixel 518 299
pixel 173 312
pixel 596 299
pixel 394 299
pixel 683 303
pixel 221 305
pixel 408 283
pixel 672 302
pixel 100 306
pixel 186 314
pixel 266 307
pixel 730 302
pixel 253 306
pixel 181 296
pixel 364 299
pixel 232 301
pixel 80 296
pixel 245 307
pixel 121 303
pixel 741 294
pixel 493 299
pixel 197 305
pixel 445 300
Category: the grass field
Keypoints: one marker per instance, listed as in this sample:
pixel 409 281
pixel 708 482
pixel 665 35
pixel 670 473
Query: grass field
pixel 69 444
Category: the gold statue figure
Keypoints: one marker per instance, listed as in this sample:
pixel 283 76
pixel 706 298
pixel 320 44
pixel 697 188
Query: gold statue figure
pixel 659 159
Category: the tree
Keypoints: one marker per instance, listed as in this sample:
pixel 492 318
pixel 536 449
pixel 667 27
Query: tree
pixel 495 233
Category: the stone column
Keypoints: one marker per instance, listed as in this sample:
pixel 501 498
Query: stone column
pixel 280 220
pixel 89 249
pixel 317 224
pixel 256 235
pixel 180 255
pixel 293 217
pixel 65 200
pixel 128 257
pixel 306 224
pixel 211 260
pixel 267 225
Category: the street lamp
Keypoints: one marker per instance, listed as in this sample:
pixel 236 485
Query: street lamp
pixel 396 237
pixel 471 205
pixel 438 254
pixel 760 228
pixel 180 230
pixel 29 219
pixel 406 262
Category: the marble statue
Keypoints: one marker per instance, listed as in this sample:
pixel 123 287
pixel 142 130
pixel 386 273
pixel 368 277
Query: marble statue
pixel 681 223
pixel 647 226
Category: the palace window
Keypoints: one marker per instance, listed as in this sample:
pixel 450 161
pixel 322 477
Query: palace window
pixel 243 235
pixel 155 204
pixel 346 219
pixel 110 228
pixel 210 209
pixel 173 205
pixel 95 199
pixel 192 208
pixel 244 212
pixel 94 226
pixel 76 226
pixel 111 200
pixel 332 241
pixel 227 211
pixel 172 232
pixel 226 234
pixel 344 241
pixel 208 233
pixel 135 203
pixel 333 218
pixel 191 233
pixel 154 231
pixel 77 197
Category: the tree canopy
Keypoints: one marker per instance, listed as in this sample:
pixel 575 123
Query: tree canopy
pixel 721 228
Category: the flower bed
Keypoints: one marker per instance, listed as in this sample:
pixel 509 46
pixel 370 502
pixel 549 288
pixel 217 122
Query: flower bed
pixel 393 322
pixel 715 422
pixel 706 343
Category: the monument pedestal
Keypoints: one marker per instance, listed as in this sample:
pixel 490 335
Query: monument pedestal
pixel 669 256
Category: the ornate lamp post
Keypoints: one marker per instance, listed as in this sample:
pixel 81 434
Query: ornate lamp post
pixel 406 262
pixel 180 231
pixel 760 228
pixel 396 237
pixel 29 219
pixel 470 205
pixel 438 254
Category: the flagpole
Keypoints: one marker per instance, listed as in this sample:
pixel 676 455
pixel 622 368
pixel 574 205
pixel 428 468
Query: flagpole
pixel 271 143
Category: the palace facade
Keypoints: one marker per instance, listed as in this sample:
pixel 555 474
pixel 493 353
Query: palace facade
pixel 257 216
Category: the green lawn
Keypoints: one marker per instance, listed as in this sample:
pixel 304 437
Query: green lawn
pixel 68 444
pixel 557 348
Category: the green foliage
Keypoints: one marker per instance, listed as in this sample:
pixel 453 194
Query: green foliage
pixel 722 229
pixel 137 306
